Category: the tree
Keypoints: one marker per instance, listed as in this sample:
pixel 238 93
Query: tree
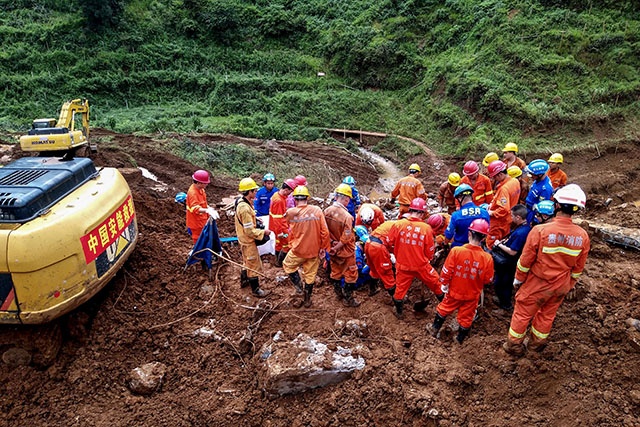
pixel 102 14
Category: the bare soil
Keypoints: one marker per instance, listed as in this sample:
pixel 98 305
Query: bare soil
pixel 589 374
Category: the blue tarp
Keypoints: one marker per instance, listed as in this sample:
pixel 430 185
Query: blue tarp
pixel 207 245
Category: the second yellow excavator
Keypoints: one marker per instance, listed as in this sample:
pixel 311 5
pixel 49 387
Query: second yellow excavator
pixel 50 138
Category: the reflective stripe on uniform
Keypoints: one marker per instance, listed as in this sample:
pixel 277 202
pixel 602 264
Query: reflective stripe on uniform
pixel 539 334
pixel 248 225
pixel 276 216
pixel 488 193
pixel 522 268
pixel 515 334
pixel 576 275
pixel 561 249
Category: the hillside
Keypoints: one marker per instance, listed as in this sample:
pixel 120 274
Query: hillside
pixel 463 75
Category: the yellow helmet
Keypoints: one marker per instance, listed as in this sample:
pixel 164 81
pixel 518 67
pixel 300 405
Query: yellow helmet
pixel 490 157
pixel 301 191
pixel 454 179
pixel 514 171
pixel 344 189
pixel 511 146
pixel 415 168
pixel 247 184
pixel 556 158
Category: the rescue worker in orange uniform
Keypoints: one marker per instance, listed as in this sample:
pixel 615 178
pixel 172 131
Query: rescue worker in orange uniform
pixel 413 246
pixel 309 239
pixel 378 250
pixel 248 232
pixel 490 157
pixel 370 216
pixel 465 272
pixel 516 172
pixel 198 211
pixel 510 156
pixel 445 198
pixel 407 189
pixel 552 260
pixel 277 221
pixel 439 223
pixel 343 246
pixel 507 194
pixel 481 184
pixel 556 175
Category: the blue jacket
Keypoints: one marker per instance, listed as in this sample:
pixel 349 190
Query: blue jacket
pixel 539 191
pixel 262 202
pixel 354 202
pixel 461 219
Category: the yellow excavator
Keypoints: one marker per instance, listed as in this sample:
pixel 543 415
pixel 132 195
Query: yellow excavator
pixel 66 228
pixel 49 137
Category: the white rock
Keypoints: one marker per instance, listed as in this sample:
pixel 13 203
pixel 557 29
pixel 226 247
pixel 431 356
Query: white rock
pixel 147 378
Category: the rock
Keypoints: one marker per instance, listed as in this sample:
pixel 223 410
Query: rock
pixel 16 357
pixel 635 323
pixel 634 395
pixel 303 364
pixel 634 338
pixel 147 378
pixel 353 327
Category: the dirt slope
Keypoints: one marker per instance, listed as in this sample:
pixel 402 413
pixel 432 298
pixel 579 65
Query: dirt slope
pixel 589 375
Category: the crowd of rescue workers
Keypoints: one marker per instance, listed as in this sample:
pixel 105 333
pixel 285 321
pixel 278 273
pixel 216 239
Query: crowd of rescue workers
pixel 508 225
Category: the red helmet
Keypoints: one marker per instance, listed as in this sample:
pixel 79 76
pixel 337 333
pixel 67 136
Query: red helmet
pixel 496 167
pixel 470 168
pixel 480 226
pixel 291 183
pixel 435 221
pixel 201 176
pixel 418 204
pixel 300 180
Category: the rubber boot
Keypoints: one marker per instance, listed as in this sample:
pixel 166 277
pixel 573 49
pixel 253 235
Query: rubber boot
pixel 349 300
pixel 462 334
pixel 440 297
pixel 295 279
pixel 391 291
pixel 278 260
pixel 308 289
pixel 244 281
pixel 399 307
pixel 255 287
pixel 337 288
pixel 513 348
pixel 536 344
pixel 373 287
pixel 437 324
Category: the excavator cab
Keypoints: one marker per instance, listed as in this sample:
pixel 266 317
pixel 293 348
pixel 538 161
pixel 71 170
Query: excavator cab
pixel 50 138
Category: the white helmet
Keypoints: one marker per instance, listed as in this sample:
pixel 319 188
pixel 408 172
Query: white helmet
pixel 571 194
pixel 366 215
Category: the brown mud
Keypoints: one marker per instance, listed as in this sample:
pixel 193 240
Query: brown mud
pixel 588 375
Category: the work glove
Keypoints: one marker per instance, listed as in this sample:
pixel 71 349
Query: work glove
pixel 212 213
pixel 397 204
pixel 393 258
pixel 259 224
pixel 282 236
pixel 444 288
pixel 517 283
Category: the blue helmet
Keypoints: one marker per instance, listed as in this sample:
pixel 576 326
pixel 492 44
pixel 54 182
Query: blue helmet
pixel 537 167
pixel 463 190
pixel 349 180
pixel 181 198
pixel 269 177
pixel 545 207
pixel 362 233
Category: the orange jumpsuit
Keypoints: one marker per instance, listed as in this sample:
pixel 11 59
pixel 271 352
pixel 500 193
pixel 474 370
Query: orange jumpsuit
pixel 377 250
pixel 506 196
pixel 378 216
pixel 340 224
pixel 245 220
pixel 558 178
pixel 445 197
pixel 439 232
pixel 277 221
pixel 413 244
pixel 551 263
pixel 407 189
pixel 482 189
pixel 524 190
pixel 196 199
pixel 466 270
pixel 517 162
pixel 309 234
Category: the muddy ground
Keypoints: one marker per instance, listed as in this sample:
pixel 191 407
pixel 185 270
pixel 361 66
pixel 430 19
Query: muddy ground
pixel 589 374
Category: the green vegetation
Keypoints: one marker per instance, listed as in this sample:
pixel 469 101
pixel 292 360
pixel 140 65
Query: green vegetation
pixel 461 75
